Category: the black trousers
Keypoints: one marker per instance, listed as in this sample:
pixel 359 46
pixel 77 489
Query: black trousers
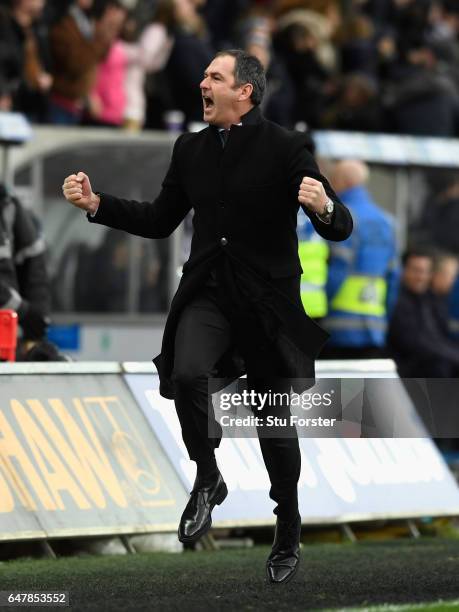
pixel 205 331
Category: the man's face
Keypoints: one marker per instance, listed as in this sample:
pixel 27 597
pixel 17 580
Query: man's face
pixel 85 5
pixel 33 7
pixel 417 274
pixel 444 277
pixel 6 102
pixel 219 95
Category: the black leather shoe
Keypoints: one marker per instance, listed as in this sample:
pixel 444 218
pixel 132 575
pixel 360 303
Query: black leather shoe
pixel 196 518
pixel 284 559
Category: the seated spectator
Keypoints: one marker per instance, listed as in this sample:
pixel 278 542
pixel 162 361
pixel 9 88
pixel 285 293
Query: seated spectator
pixel 357 46
pixel 357 107
pixel 24 57
pixel 423 100
pixel 417 341
pixel 147 55
pixel 11 57
pixel 24 285
pixel 78 44
pixel 191 54
pixel 221 16
pixel 411 20
pixel 278 101
pixel 440 215
pixel 107 99
pixel 297 45
pixel 323 23
pixel 444 276
pixel 330 10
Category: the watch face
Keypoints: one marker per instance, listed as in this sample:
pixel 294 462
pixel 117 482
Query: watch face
pixel 329 206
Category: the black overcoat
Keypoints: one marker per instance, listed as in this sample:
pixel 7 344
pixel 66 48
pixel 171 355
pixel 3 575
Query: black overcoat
pixel 245 201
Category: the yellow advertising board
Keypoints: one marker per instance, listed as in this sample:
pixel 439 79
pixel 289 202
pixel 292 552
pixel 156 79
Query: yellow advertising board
pixel 77 457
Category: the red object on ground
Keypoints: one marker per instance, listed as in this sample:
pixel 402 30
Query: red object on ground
pixel 8 335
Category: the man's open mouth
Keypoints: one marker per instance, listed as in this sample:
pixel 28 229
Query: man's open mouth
pixel 208 102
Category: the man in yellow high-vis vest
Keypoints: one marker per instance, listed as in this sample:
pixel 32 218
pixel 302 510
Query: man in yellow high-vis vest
pixel 363 271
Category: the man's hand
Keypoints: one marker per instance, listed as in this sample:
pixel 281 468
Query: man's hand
pixel 77 190
pixel 312 195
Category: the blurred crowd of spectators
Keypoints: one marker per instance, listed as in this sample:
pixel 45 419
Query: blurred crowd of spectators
pixel 365 65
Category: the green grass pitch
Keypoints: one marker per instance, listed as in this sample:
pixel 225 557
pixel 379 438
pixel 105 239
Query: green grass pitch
pixel 393 575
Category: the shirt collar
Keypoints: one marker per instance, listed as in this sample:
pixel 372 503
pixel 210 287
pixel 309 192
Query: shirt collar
pixel 220 129
pixel 252 117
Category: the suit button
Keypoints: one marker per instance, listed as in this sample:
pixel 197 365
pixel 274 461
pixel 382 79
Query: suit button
pixel 223 241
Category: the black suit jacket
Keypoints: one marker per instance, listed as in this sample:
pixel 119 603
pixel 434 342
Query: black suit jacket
pixel 245 201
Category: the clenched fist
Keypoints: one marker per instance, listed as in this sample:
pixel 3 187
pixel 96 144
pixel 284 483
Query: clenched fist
pixel 312 195
pixel 77 190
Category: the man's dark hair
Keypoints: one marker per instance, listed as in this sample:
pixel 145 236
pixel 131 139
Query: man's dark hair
pixel 248 69
pixel 418 251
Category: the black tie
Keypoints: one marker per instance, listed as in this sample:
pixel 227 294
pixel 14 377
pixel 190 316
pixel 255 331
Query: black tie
pixel 224 136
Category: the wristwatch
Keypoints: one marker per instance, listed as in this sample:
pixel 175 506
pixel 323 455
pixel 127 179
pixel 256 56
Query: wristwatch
pixel 326 215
